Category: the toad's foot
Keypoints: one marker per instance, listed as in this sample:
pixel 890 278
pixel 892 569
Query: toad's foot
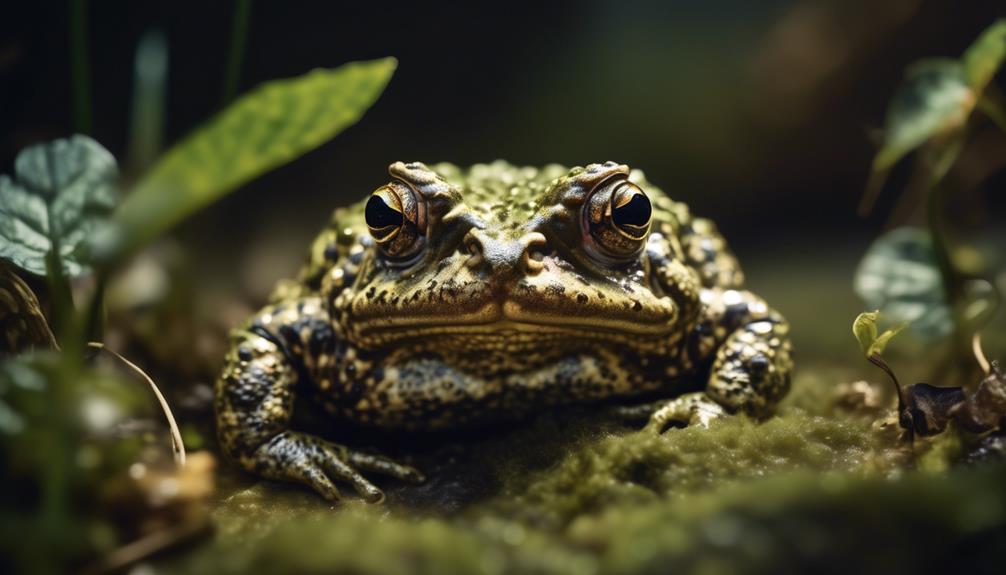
pixel 688 409
pixel 292 456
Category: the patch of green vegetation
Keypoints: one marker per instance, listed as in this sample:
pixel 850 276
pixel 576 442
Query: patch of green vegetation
pixel 814 487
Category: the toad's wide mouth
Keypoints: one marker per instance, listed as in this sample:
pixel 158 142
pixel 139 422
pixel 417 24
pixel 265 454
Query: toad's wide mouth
pixel 510 327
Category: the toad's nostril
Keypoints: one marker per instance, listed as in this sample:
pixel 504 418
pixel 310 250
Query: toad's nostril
pixel 532 254
pixel 473 244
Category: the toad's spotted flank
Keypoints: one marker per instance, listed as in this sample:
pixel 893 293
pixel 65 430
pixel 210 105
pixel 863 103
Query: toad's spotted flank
pixel 457 296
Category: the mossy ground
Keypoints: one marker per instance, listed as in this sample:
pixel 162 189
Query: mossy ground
pixel 815 487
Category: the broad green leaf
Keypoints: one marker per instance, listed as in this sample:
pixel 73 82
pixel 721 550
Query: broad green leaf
pixel 266 128
pixel 899 275
pixel 984 57
pixel 62 193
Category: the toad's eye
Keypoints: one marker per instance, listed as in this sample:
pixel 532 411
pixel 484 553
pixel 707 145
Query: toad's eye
pixel 616 220
pixel 396 218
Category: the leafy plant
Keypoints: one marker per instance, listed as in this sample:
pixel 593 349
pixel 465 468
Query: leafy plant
pixel 925 409
pixel 270 126
pixel 910 273
pixel 59 218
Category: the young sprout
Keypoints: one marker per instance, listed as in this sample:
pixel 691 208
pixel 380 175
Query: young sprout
pixel 872 344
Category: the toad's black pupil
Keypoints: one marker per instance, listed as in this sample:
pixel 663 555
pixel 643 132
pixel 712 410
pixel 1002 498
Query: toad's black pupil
pixel 635 213
pixel 381 215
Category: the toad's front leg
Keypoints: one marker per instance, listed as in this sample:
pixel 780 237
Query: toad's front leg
pixel 281 345
pixel 751 364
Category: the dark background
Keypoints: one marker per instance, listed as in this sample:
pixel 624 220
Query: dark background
pixel 757 114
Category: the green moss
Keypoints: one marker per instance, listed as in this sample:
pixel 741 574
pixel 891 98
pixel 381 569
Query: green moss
pixel 813 488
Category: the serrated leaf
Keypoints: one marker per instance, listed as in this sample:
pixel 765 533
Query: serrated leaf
pixel 985 55
pixel 62 193
pixel 270 126
pixel 899 275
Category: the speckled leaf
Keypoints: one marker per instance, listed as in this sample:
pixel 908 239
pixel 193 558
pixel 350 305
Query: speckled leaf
pixel 62 192
pixel 270 126
pixel 984 57
pixel 899 276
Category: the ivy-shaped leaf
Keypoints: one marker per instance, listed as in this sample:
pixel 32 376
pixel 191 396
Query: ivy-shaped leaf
pixel 270 126
pixel 899 275
pixel 62 193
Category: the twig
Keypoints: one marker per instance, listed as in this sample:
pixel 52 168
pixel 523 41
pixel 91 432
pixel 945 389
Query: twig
pixel 149 545
pixel 976 348
pixel 177 447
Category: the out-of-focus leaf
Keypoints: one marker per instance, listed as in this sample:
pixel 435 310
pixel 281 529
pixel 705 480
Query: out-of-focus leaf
pixel 16 378
pixel 929 408
pixel 865 330
pixel 63 192
pixel 985 55
pixel 994 107
pixel 22 324
pixel 146 121
pixel 934 98
pixel 899 276
pixel 268 127
pixel 979 303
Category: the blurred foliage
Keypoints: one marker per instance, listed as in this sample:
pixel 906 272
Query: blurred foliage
pixel 268 127
pixel 899 276
pixel 915 275
pixel 63 192
pixel 933 105
pixel 59 447
pixel 78 492
pixel 22 323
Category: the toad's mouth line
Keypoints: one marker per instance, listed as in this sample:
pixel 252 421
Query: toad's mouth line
pixel 494 319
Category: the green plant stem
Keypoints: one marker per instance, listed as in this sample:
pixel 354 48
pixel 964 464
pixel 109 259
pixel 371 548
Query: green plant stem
pixel 940 162
pixel 80 74
pixel 235 55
